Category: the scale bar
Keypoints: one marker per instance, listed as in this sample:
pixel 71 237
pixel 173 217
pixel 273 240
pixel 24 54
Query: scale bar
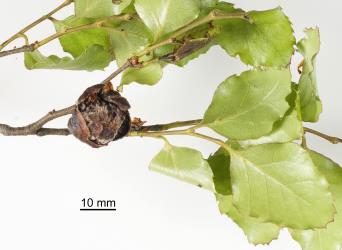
pixel 98 209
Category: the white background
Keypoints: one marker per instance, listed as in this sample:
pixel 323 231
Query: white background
pixel 42 180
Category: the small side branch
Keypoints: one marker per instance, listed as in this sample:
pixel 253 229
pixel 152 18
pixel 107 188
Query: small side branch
pixel 34 46
pixel 213 15
pixel 36 127
pixel 332 139
pixel 25 48
pixel 35 23
pixel 168 126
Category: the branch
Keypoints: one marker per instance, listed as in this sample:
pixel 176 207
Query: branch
pixel 25 48
pixel 53 131
pixel 34 46
pixel 36 127
pixel 214 15
pixel 332 139
pixel 35 23
pixel 155 130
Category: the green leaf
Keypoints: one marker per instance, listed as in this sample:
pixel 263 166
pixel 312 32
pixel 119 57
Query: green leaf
pixel 185 164
pixel 165 16
pixel 94 58
pixel 207 6
pixel 165 50
pixel 279 183
pixel 93 8
pixel 311 105
pixel 208 3
pixel 130 9
pixel 120 6
pixel 227 7
pixel 220 166
pixel 288 129
pixel 257 232
pixel 77 42
pixel 247 106
pixel 129 39
pixel 267 41
pixel 149 75
pixel 329 238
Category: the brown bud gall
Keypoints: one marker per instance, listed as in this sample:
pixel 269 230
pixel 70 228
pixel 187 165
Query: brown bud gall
pixel 101 116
